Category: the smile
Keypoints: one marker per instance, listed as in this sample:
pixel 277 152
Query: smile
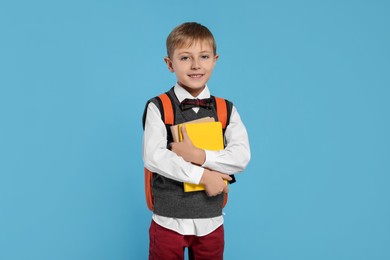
pixel 195 76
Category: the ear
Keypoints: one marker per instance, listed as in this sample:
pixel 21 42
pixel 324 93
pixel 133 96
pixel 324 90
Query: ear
pixel 216 56
pixel 169 64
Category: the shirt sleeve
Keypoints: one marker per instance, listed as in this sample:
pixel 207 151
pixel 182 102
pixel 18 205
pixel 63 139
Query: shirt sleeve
pixel 157 158
pixel 236 155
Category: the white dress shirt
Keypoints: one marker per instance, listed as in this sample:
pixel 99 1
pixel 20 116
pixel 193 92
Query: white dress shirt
pixel 157 158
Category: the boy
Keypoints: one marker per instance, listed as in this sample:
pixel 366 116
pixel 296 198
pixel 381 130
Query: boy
pixel 193 219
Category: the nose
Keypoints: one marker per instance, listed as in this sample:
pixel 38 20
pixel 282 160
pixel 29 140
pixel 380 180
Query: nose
pixel 195 64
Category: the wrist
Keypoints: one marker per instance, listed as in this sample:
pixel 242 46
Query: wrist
pixel 205 176
pixel 199 156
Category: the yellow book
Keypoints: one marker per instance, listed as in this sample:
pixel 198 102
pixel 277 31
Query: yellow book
pixel 204 135
pixel 175 128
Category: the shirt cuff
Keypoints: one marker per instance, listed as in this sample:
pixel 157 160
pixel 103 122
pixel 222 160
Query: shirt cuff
pixel 210 158
pixel 196 174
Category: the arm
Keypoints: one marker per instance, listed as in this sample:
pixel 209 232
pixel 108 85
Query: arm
pixel 212 180
pixel 187 150
pixel 161 160
pixel 236 155
pixel 233 159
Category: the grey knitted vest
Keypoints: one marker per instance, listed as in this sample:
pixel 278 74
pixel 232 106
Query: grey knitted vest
pixel 170 200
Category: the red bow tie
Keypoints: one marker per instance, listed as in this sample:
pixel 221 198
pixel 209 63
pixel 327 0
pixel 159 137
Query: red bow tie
pixel 190 103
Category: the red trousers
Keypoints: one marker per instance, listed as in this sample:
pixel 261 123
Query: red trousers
pixel 166 244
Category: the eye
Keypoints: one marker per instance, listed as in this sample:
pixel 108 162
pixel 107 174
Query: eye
pixel 184 58
pixel 205 57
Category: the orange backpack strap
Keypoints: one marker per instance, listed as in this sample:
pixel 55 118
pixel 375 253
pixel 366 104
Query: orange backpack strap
pixel 222 113
pixel 167 109
pixel 148 175
pixel 167 115
pixel 223 108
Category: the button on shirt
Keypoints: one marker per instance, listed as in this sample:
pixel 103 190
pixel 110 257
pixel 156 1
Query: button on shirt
pixel 157 158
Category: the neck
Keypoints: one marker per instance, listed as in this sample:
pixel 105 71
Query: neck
pixel 193 92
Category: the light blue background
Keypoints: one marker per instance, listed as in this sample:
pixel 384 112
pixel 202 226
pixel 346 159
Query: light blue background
pixel 309 78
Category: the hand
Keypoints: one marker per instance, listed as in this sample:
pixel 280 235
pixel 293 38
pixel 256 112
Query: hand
pixel 214 182
pixel 187 150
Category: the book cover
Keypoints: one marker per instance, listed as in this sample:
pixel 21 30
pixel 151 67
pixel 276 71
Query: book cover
pixel 204 135
pixel 175 128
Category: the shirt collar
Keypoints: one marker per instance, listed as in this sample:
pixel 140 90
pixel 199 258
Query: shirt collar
pixel 182 94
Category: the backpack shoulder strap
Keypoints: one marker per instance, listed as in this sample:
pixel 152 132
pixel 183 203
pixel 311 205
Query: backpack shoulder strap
pixel 222 113
pixel 224 110
pixel 167 113
pixel 168 117
pixel 165 106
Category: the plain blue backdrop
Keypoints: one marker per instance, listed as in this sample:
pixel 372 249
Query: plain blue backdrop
pixel 310 79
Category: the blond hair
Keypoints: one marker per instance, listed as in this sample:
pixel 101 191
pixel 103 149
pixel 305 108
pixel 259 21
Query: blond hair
pixel 187 34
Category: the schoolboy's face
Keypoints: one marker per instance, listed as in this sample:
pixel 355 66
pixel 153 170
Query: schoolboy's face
pixel 193 66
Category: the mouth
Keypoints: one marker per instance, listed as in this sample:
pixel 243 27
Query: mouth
pixel 195 76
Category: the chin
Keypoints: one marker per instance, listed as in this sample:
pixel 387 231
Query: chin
pixel 197 87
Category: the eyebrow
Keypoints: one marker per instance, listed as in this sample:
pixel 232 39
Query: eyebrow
pixel 202 52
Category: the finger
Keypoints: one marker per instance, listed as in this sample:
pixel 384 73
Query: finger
pixel 172 147
pixel 226 177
